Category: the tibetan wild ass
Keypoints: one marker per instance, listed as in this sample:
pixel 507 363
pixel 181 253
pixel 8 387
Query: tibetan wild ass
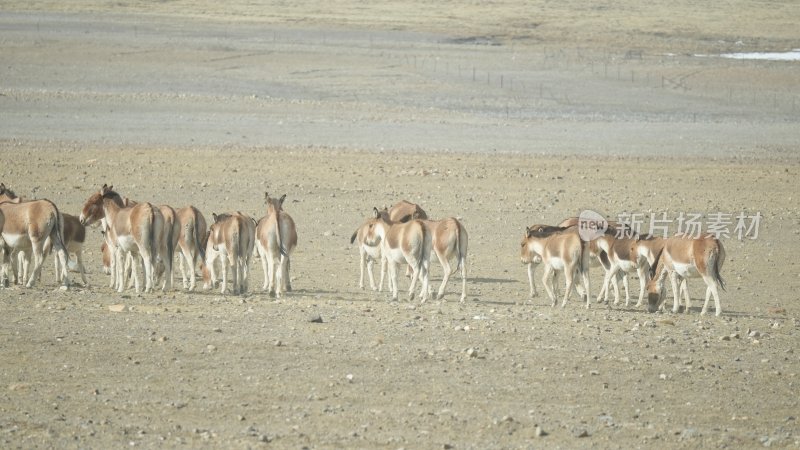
pixel 191 241
pixel 408 242
pixel 685 257
pixel 622 260
pixel 559 251
pixel 230 239
pixel 403 211
pixel 535 259
pixel 74 238
pixel 648 247
pixel 27 226
pixel 172 231
pixel 369 252
pixel 449 240
pixel 135 229
pixel 276 238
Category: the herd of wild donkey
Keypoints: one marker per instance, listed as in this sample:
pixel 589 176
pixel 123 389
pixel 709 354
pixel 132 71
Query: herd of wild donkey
pixel 139 234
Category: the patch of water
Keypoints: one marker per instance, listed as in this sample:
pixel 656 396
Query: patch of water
pixel 793 55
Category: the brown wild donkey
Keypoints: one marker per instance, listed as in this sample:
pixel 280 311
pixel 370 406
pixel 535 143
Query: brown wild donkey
pixel 26 227
pixel 559 251
pixel 276 238
pixel 449 240
pixel 135 229
pixel 230 239
pixel 369 252
pixel 685 257
pixel 191 241
pixel 408 242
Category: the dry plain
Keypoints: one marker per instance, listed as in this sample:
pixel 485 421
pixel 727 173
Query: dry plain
pixel 505 116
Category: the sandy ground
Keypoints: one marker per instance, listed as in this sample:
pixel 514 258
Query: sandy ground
pixel 346 111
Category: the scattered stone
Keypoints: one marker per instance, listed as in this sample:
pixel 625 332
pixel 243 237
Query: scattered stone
pixel 539 432
pixel 580 432
pixel 211 348
pixel 688 433
pixel 118 308
pixel 349 377
pixel 606 420
pixel 472 353
pixel 315 318
pixel 278 343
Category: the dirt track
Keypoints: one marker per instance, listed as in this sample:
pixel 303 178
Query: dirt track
pixel 344 120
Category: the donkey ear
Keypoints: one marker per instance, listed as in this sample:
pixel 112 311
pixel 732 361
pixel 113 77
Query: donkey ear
pixel 266 196
pixel 215 217
pixel 2 188
pixel 283 197
pixel 376 212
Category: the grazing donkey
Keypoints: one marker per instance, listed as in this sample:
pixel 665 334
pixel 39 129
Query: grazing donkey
pixel 685 257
